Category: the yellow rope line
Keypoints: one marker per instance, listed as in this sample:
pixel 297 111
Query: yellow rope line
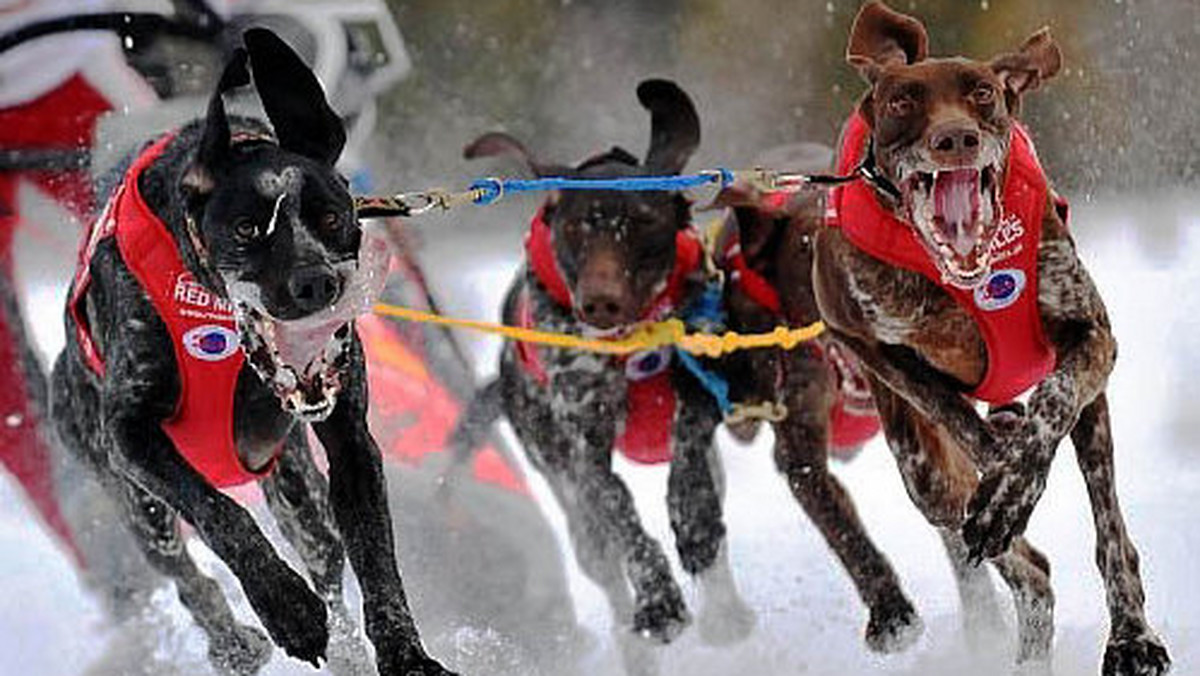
pixel 649 337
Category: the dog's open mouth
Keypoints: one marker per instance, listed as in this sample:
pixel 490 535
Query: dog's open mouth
pixel 301 364
pixel 956 212
pixel 303 360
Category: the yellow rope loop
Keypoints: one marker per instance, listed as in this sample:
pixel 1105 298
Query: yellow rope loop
pixel 649 337
pixel 769 411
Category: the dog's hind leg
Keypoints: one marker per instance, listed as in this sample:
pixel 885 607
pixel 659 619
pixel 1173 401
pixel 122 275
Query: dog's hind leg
pixel 695 491
pixel 1133 647
pixel 1027 573
pixel 983 619
pixel 233 648
pixel 801 454
pixel 298 495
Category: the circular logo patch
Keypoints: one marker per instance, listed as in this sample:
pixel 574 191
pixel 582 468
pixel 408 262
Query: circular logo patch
pixel 210 342
pixel 1001 289
pixel 647 364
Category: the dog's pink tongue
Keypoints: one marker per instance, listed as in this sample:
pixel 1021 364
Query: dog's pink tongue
pixel 956 204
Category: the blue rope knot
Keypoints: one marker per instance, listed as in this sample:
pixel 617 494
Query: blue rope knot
pixel 725 177
pixel 490 189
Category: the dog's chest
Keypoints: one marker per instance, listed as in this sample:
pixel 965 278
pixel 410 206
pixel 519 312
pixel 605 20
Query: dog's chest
pixel 900 307
pixel 260 423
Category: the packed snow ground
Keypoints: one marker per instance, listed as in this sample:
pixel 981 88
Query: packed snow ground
pixel 1145 256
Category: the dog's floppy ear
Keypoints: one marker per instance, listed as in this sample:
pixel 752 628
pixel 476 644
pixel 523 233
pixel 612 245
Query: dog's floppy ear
pixel 674 125
pixel 213 150
pixel 1038 59
pixel 881 37
pixel 740 194
pixel 293 99
pixel 499 144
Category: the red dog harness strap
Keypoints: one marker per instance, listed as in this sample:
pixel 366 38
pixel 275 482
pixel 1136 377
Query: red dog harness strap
pixel 650 409
pixel 201 325
pixel 748 280
pixel 1004 306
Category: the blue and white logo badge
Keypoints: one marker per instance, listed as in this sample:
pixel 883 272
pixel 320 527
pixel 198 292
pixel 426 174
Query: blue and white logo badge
pixel 1001 289
pixel 210 342
pixel 648 364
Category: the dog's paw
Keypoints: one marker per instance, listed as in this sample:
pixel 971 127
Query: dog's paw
pixel 727 623
pixel 663 617
pixel 412 664
pixel 1143 655
pixel 1000 509
pixel 894 625
pixel 293 614
pixel 347 654
pixel 240 652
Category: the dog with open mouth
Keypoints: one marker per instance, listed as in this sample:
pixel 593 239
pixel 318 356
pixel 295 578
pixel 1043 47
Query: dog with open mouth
pixel 950 272
pixel 602 263
pixel 822 401
pixel 210 323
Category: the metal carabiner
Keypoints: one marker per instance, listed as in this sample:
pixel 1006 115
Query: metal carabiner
pixel 419 203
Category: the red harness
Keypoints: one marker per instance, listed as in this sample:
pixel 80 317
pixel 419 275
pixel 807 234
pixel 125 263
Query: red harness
pixel 650 398
pixel 1004 306
pixel 201 325
pixel 853 420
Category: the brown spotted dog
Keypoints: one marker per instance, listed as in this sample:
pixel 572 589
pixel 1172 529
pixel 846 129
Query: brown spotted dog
pixel 602 263
pixel 950 272
pixel 764 247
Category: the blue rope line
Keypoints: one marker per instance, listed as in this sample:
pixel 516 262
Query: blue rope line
pixel 706 313
pixel 492 189
pixel 714 384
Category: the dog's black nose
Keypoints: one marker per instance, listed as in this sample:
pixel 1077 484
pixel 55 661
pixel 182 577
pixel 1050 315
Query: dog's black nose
pixel 955 142
pixel 602 311
pixel 314 287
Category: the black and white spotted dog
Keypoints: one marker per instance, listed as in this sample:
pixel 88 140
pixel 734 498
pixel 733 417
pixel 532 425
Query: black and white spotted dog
pixel 599 263
pixel 225 218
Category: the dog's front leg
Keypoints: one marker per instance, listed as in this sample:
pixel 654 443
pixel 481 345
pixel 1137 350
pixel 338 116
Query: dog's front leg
pixel 932 394
pixel 694 487
pixel 695 491
pixel 588 392
pixel 1077 324
pixel 358 493
pixel 293 615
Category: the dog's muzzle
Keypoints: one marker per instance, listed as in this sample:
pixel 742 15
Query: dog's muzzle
pixel 303 360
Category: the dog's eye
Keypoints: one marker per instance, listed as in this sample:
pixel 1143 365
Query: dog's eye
pixel 245 230
pixel 901 106
pixel 984 95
